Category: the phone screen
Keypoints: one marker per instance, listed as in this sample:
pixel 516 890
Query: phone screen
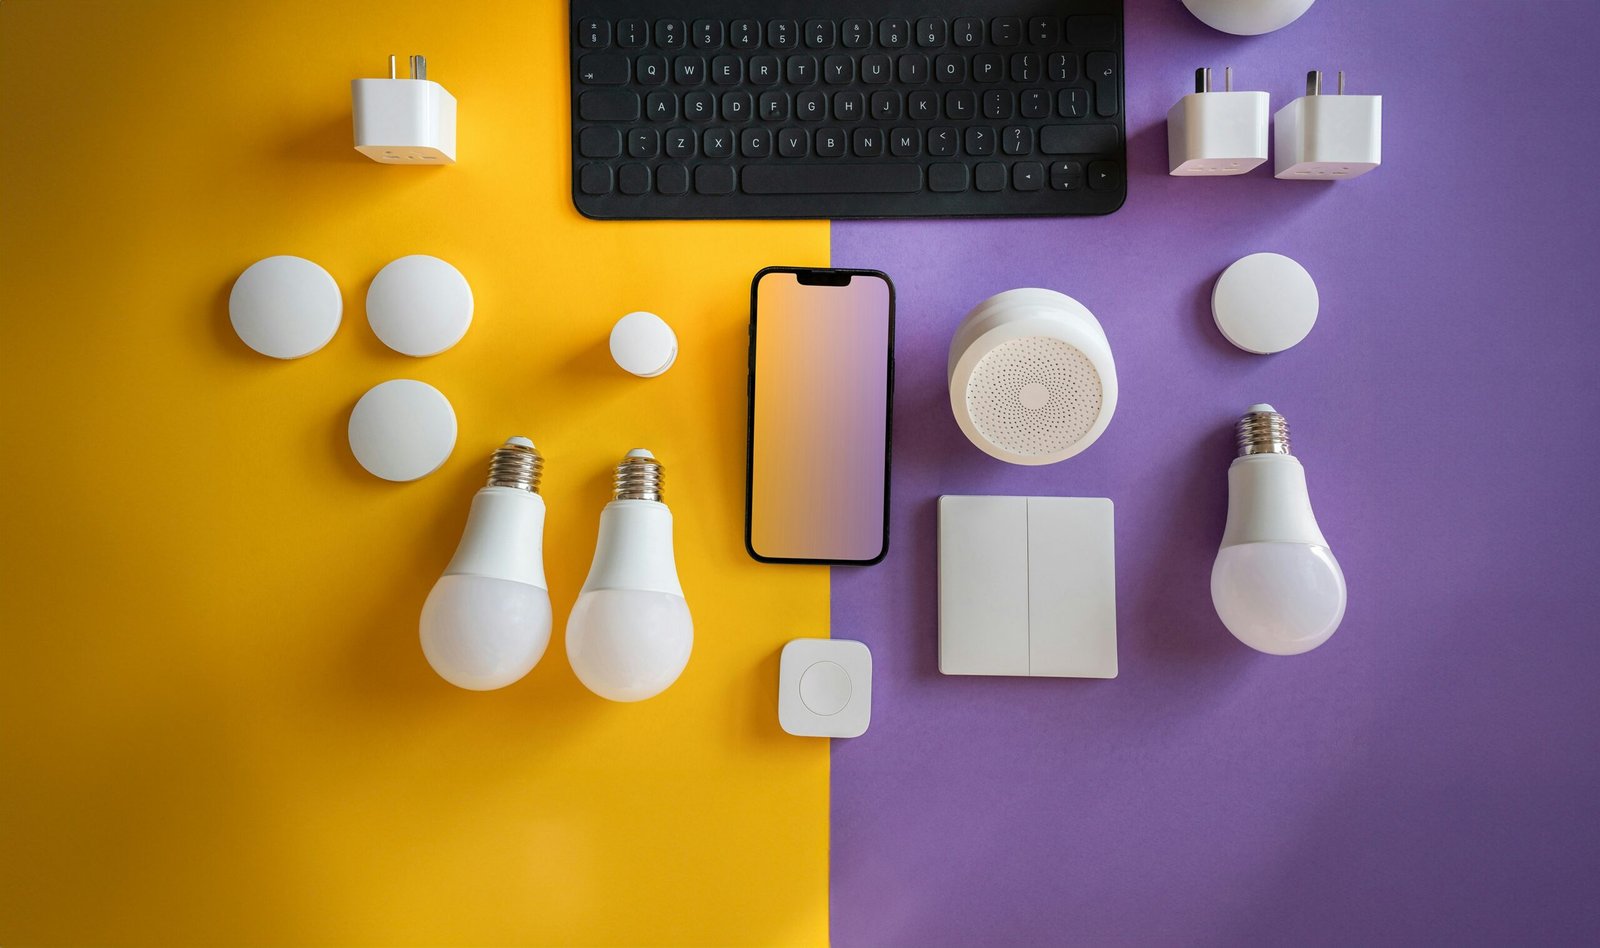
pixel 821 367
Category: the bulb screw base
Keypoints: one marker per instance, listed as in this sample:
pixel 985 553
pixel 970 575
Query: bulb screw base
pixel 639 476
pixel 1262 431
pixel 518 464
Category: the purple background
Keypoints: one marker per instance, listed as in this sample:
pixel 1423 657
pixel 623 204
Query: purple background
pixel 1432 773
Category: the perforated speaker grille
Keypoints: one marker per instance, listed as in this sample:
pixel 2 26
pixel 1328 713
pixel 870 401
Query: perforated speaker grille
pixel 1034 396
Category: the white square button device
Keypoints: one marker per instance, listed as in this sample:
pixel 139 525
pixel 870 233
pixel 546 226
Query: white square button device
pixel 1027 586
pixel 825 688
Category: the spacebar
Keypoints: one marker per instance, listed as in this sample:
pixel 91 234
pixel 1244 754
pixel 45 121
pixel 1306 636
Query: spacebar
pixel 832 179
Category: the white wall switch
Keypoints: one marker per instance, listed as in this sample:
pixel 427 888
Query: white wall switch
pixel 1027 586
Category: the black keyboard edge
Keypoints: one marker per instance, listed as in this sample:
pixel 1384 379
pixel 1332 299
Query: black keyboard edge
pixel 693 206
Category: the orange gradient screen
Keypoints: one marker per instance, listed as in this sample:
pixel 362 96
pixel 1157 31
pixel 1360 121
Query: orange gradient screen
pixel 819 456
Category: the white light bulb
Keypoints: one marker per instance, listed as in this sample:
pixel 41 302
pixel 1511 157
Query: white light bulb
pixel 630 634
pixel 487 621
pixel 1275 584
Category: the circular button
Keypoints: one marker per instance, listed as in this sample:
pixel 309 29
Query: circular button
pixel 825 688
pixel 402 429
pixel 419 305
pixel 1265 303
pixel 285 307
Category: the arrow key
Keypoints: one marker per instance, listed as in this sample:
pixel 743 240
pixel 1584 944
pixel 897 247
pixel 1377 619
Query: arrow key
pixel 1027 176
pixel 1104 176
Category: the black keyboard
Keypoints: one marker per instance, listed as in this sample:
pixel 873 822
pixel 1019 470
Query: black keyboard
pixel 847 108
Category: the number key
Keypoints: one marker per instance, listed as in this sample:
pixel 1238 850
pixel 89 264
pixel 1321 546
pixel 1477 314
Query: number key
pixel 707 34
pixel 782 34
pixel 819 34
pixel 669 34
pixel 969 31
pixel 632 33
pixel 930 31
pixel 894 34
pixel 744 34
pixel 857 34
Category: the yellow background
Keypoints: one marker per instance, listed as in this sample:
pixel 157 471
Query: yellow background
pixel 217 723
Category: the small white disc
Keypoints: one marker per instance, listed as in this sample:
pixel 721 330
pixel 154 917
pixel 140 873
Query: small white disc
pixel 643 343
pixel 285 307
pixel 419 305
pixel 1265 303
pixel 401 430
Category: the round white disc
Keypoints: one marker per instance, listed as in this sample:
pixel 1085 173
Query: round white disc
pixel 401 430
pixel 825 688
pixel 642 343
pixel 1265 303
pixel 419 305
pixel 285 307
pixel 1248 17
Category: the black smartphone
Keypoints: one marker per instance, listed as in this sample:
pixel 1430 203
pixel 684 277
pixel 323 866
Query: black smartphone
pixel 821 393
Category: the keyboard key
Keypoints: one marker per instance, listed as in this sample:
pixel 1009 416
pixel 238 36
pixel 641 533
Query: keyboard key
pixel 744 34
pixel 594 179
pixel 794 142
pixel 857 34
pixel 942 142
pixel 913 68
pixel 949 67
pixel 594 33
pixel 718 143
pixel 802 70
pixel 672 179
pixel 726 70
pixel 764 70
pixel 876 69
pixel 783 34
pixel 968 31
pixel 1073 103
pixel 610 105
pixel 737 106
pixel 830 143
pixel 774 106
pixel 811 106
pixel 961 105
pixel 1066 175
pixel 633 179
pixel 1102 71
pixel 885 105
pixel 707 34
pixel 930 32
pixel 670 34
pixel 632 34
pixel 894 34
pixel 1104 175
pixel 1098 31
pixel 997 104
pixel 1006 31
pixel 688 70
pixel 643 143
pixel 1044 31
pixel 652 70
pixel 820 34
pixel 1017 140
pixel 661 106
pixel 1027 176
pixel 1025 67
pixel 947 176
pixel 980 140
pixel 875 178
pixel 989 176
pixel 755 143
pixel 680 143
pixel 1062 67
pixel 867 142
pixel 905 142
pixel 849 106
pixel 923 105
pixel 1077 139
pixel 714 179
pixel 699 107
pixel 1033 103
pixel 988 67
pixel 838 69
pixel 602 69
pixel 599 143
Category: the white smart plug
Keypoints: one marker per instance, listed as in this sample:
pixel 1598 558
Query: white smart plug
pixel 1216 133
pixel 404 121
pixel 1328 137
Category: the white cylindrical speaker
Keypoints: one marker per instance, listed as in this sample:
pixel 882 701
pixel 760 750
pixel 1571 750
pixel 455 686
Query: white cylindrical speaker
pixel 1031 376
